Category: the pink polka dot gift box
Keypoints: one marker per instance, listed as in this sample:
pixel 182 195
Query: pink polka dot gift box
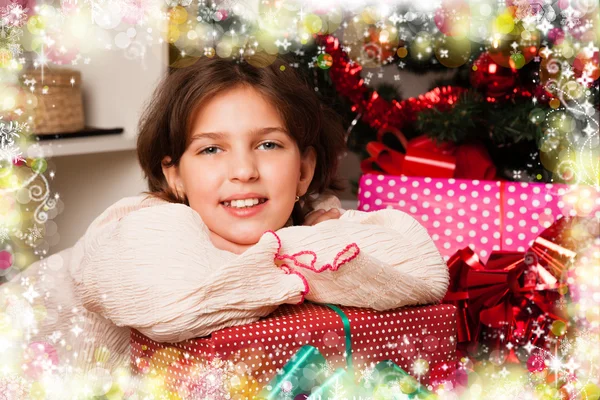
pixel 484 215
pixel 420 340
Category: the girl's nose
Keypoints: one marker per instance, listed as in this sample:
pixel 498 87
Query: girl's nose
pixel 243 168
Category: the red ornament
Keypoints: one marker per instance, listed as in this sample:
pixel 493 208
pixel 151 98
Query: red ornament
pixel 492 79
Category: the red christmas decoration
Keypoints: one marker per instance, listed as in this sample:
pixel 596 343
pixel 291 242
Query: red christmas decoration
pixel 497 82
pixel 512 297
pixel 493 80
pixel 376 111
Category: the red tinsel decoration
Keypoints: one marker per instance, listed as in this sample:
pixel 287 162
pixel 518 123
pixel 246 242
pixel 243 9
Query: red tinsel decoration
pixel 376 111
pixel 379 113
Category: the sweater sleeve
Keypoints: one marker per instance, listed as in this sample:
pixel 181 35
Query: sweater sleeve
pixel 155 270
pixel 380 260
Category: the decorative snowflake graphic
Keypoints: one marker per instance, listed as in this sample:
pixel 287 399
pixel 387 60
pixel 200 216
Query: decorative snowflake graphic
pixel 13 15
pixel 327 368
pixel 366 374
pixel 34 233
pixel 9 151
pixel 337 392
pixel 13 388
pixel 9 38
pixel 570 17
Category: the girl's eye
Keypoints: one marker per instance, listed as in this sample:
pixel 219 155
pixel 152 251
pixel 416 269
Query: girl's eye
pixel 270 145
pixel 209 150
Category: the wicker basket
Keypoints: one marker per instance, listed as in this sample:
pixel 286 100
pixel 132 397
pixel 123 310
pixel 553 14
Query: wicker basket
pixel 60 105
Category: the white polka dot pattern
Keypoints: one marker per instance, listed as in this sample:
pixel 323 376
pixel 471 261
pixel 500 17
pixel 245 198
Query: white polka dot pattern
pixel 486 215
pixel 403 335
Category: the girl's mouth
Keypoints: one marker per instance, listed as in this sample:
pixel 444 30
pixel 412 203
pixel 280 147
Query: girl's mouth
pixel 243 204
pixel 241 210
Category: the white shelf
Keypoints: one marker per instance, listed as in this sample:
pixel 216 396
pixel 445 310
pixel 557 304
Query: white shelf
pixel 86 145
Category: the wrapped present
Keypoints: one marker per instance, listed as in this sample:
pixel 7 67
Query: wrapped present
pixel 420 340
pixel 484 215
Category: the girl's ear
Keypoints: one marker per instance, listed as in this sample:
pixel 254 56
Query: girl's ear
pixel 171 173
pixel 307 170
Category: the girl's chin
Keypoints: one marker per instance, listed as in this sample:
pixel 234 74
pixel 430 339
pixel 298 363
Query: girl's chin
pixel 250 232
pixel 247 240
pixel 235 243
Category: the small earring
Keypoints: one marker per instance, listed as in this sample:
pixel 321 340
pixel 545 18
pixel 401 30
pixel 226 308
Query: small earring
pixel 297 198
pixel 178 192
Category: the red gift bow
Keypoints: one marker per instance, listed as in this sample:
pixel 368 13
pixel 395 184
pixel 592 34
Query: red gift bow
pixel 424 157
pixel 482 295
pixel 496 294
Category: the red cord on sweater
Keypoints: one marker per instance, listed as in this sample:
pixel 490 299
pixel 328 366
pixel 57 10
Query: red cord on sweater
pixel 352 248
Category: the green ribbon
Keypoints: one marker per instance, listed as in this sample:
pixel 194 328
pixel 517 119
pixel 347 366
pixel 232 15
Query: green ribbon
pixel 346 322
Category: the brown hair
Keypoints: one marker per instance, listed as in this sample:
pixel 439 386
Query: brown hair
pixel 166 122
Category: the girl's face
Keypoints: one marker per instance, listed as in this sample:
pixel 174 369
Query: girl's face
pixel 238 150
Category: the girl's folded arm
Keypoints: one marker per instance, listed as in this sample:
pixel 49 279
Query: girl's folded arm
pixel 381 260
pixel 153 271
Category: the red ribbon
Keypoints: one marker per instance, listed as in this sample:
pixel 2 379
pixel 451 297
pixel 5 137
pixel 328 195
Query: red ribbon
pixel 500 294
pixel 424 157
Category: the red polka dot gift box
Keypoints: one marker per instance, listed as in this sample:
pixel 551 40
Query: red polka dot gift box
pixel 420 340
pixel 484 215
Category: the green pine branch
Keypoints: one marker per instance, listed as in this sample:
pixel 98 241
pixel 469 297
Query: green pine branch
pixel 473 118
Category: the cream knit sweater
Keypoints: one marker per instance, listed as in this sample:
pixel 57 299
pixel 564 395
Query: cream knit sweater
pixel 150 265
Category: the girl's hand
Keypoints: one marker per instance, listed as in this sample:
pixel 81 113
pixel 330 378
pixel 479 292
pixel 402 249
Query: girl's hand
pixel 321 215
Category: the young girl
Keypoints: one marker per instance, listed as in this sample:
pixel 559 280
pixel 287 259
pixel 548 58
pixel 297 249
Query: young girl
pixel 235 154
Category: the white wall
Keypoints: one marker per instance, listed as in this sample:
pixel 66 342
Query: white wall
pixel 87 185
pixel 115 90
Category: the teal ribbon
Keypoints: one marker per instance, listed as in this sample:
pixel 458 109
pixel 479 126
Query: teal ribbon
pixel 346 323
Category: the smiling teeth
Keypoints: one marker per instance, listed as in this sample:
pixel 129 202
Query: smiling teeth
pixel 243 203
